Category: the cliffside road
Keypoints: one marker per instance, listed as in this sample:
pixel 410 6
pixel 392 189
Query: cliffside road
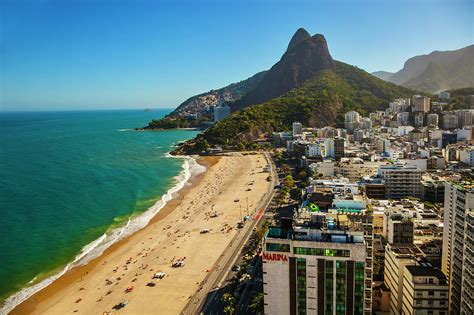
pixel 207 299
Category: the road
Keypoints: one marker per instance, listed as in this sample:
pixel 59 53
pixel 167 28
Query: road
pixel 219 273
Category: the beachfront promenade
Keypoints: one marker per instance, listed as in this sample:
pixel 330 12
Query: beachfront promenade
pixel 208 291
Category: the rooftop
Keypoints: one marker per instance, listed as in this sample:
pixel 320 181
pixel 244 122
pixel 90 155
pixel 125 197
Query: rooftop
pixel 422 271
pixel 316 235
pixel 464 185
pixel 405 251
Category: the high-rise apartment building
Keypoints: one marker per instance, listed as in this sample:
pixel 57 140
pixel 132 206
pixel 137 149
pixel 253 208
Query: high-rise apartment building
pixel 329 147
pixel 339 148
pixel 416 287
pixel 425 291
pixel 399 228
pixel 420 103
pixel 432 120
pixel 401 181
pixel 297 128
pixel 458 246
pixel 450 121
pixel 351 120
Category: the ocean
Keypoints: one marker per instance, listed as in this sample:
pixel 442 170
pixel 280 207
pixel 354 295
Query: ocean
pixel 72 183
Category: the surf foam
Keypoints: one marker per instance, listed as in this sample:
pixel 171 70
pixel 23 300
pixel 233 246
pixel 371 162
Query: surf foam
pixel 98 246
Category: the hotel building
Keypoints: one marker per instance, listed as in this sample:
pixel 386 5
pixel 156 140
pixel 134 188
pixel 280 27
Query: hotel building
pixel 313 271
pixel 321 262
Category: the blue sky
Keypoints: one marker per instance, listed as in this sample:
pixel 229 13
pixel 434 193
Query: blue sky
pixel 85 54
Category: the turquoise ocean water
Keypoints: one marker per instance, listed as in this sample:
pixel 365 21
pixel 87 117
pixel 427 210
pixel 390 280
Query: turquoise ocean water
pixel 68 177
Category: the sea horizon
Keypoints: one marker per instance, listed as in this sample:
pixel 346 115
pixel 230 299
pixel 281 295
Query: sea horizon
pixel 153 109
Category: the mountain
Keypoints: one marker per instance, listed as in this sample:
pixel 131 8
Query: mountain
pixel 320 101
pixel 300 36
pixel 305 56
pixel 229 93
pixel 437 71
pixel 384 75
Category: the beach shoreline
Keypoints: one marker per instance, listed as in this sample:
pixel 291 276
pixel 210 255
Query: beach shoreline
pixel 54 298
pixel 191 170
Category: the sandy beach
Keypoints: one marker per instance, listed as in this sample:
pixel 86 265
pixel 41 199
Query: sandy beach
pixel 174 235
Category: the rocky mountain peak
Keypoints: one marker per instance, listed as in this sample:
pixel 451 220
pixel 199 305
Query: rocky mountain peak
pixel 300 36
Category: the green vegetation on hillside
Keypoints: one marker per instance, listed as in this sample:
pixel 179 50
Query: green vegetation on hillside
pixel 458 99
pixel 176 121
pixel 321 101
pixel 462 92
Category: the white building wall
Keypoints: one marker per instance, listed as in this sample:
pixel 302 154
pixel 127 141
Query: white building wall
pixel 276 289
pixel 466 155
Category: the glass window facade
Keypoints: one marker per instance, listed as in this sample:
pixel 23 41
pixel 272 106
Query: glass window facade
pixel 322 252
pixel 276 247
pixel 337 253
pixel 308 251
pixel 301 285
pixel 329 280
pixel 359 288
pixel 340 287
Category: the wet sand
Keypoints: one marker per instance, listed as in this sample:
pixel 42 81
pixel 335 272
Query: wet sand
pixel 173 234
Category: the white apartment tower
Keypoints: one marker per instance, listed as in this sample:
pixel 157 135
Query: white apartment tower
pixel 329 147
pixel 458 245
pixel 351 120
pixel 297 128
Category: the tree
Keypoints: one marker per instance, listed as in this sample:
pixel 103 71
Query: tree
pixel 201 145
pixel 257 303
pixel 229 310
pixel 288 181
pixel 303 175
pixel 286 169
pixel 229 299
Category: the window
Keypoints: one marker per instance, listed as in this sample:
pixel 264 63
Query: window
pixel 340 288
pixel 308 251
pixel 337 253
pixel 430 293
pixel 329 286
pixel 321 252
pixel 301 285
pixel 359 288
pixel 276 247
